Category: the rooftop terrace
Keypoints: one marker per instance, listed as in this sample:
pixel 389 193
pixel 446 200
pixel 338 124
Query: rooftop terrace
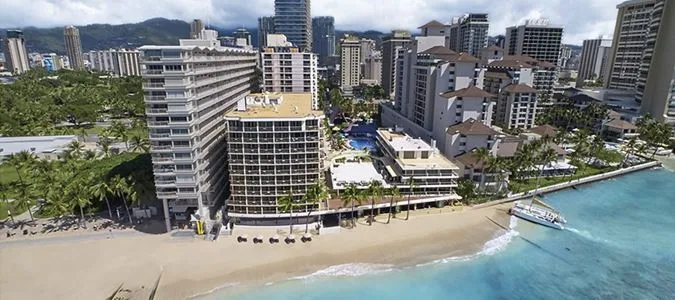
pixel 275 105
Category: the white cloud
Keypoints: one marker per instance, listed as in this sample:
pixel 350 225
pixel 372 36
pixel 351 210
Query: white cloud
pixel 582 19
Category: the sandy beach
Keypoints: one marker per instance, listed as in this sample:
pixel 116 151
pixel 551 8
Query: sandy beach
pixel 94 269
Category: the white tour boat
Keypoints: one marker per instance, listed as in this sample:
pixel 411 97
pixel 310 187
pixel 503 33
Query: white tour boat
pixel 537 211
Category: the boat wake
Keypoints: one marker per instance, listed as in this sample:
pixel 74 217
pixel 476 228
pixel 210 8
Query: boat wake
pixel 586 234
pixel 348 270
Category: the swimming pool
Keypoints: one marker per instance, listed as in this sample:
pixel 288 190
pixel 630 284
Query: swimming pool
pixel 363 143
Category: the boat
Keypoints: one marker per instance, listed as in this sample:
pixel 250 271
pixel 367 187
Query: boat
pixel 537 211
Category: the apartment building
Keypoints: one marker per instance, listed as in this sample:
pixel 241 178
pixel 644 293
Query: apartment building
pixel 121 62
pixel 73 47
pixel 468 135
pixel 16 57
pixel 630 42
pixel 275 148
pixel 407 158
pixel 287 69
pixel 350 58
pixel 594 61
pixel 323 38
pixel 293 18
pixel 468 33
pixel 372 73
pixel 265 27
pixel 390 44
pixel 538 39
pixel 187 89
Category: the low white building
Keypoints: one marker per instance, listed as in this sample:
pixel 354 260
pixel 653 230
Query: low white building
pixel 41 146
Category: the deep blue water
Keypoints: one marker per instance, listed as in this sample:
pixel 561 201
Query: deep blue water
pixel 361 143
pixel 620 244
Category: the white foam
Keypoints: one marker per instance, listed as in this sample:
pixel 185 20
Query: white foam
pixel 348 270
pixel 213 290
pixel 587 234
pixel 491 247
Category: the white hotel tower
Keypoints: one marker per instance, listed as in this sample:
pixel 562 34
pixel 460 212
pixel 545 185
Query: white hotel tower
pixel 187 90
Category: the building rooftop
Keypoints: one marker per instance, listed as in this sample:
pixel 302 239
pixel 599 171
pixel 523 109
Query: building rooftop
pixel 446 54
pixel 519 88
pixel 402 141
pixel 470 92
pixel 544 130
pixel 621 124
pixel 275 105
pixel 431 24
pixel 469 159
pixel 494 74
pixel 439 50
pixel 34 144
pixel 435 161
pixel 493 48
pixel 471 127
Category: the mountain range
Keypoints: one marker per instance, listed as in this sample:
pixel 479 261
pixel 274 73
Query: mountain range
pixel 157 31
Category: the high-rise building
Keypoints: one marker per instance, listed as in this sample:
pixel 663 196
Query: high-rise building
pixel 73 47
pixel 396 40
pixel 187 90
pixel 655 87
pixel 196 27
pixel 287 69
pixel 565 56
pixel 243 37
pixel 350 57
pixel 594 61
pixel 275 148
pixel 537 39
pixel 16 58
pixel 373 69
pixel 121 62
pixel 523 85
pixel 629 42
pixel 265 27
pixel 293 18
pixel 323 37
pixel 367 48
pixel 468 33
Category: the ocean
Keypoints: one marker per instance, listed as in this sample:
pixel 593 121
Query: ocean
pixel 619 244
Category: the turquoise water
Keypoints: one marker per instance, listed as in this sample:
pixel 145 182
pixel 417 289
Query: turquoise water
pixel 620 244
pixel 361 143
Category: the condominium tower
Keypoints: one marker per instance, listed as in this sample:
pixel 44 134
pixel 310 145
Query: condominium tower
pixel 323 37
pixel 537 39
pixel 275 148
pixel 293 18
pixel 289 70
pixel 655 87
pixel 265 27
pixel 350 57
pixel 121 62
pixel 390 43
pixel 187 90
pixel 16 58
pixel 196 27
pixel 468 33
pixel 73 47
pixel 594 61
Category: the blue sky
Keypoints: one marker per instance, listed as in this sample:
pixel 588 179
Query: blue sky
pixel 582 19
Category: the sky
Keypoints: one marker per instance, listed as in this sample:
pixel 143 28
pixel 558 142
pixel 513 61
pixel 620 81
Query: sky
pixel 582 19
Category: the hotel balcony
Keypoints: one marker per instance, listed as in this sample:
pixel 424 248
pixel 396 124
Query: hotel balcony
pixel 155 111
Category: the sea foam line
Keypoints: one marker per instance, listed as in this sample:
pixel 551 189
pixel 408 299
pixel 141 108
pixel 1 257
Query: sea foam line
pixel 348 270
pixel 213 290
pixel 490 247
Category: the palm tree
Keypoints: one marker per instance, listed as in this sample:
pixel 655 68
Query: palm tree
pixel 315 194
pixel 75 147
pixel 483 155
pixel 497 165
pixel 139 143
pixel 101 191
pixel 4 188
pixel 350 196
pixel 104 142
pixel 545 157
pixel 374 191
pixel 121 188
pixel 24 199
pixel 120 131
pixel 286 204
pixel 393 193
pixel 80 197
pixel 20 161
pixel 411 186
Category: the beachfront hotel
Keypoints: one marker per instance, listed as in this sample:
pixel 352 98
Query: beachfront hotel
pixel 404 160
pixel 187 89
pixel 275 146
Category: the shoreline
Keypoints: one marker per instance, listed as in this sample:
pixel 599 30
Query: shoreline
pixel 194 269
